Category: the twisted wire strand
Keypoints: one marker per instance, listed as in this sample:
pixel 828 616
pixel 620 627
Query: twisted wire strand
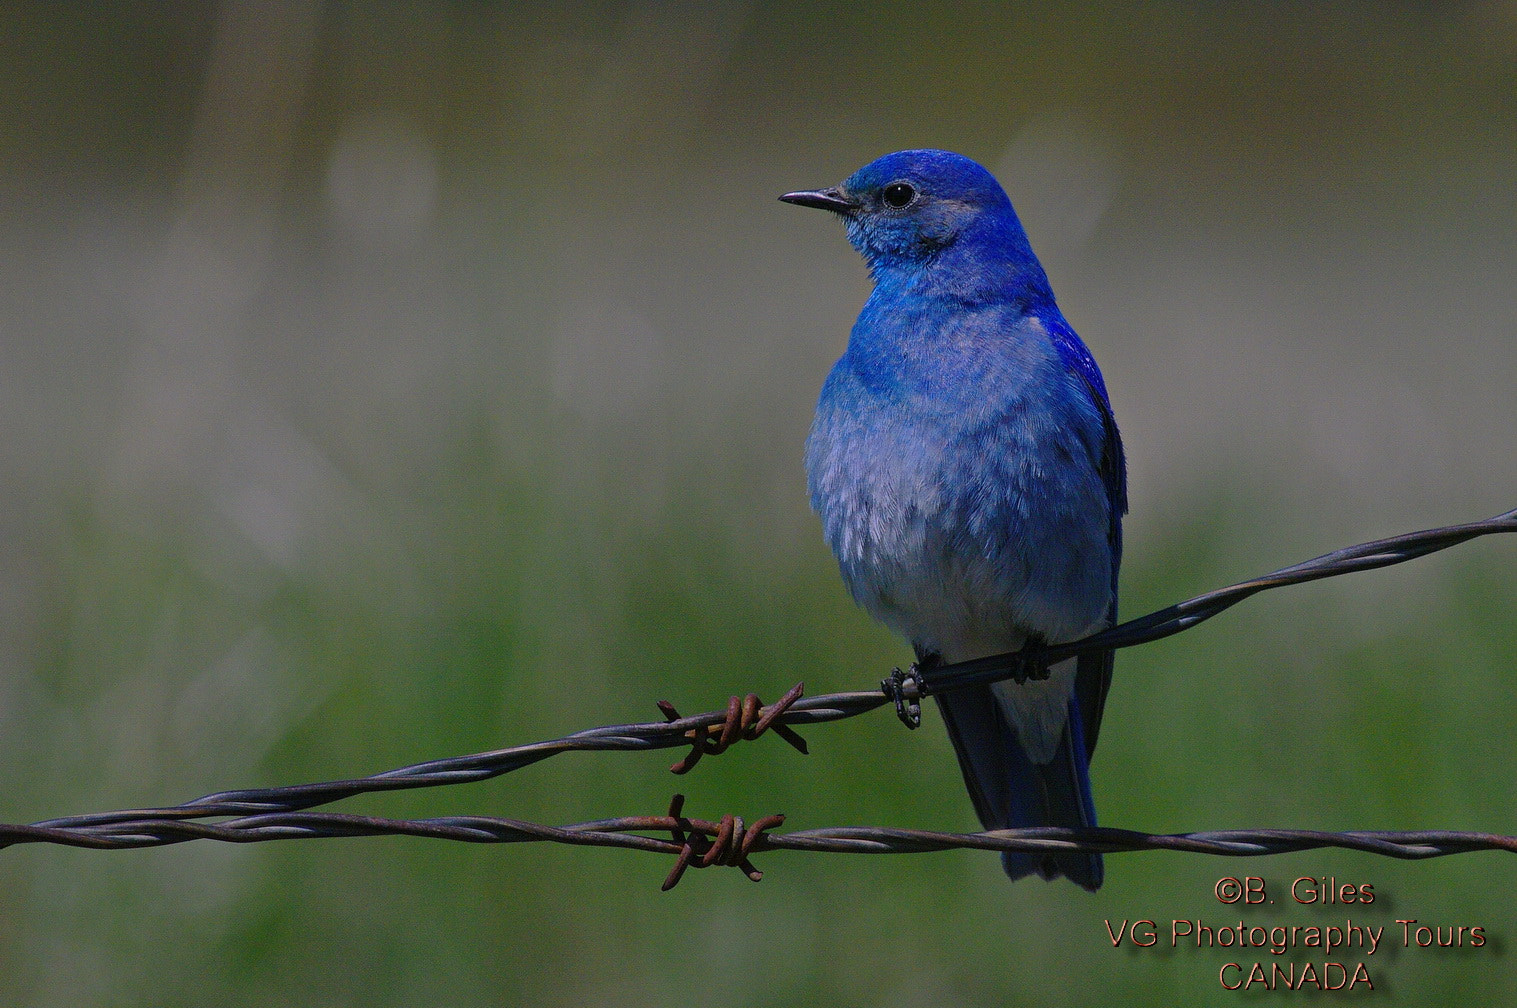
pixel 278 813
pixel 703 843
pixel 1184 615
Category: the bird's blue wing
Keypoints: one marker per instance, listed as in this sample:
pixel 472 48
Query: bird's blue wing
pixel 1093 678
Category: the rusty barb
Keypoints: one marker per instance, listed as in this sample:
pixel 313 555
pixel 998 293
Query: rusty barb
pixel 747 718
pixel 703 844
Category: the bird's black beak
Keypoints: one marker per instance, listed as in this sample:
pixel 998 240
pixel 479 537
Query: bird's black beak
pixel 822 199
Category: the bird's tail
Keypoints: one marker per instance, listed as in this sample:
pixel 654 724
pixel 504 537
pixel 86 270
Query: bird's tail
pixel 1010 790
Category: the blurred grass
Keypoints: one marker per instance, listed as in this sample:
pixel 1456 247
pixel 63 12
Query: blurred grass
pixel 462 405
pixel 1238 723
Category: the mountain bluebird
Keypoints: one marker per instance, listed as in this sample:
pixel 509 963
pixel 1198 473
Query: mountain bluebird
pixel 970 479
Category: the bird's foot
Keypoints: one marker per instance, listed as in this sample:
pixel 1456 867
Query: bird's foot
pixel 906 689
pixel 1031 662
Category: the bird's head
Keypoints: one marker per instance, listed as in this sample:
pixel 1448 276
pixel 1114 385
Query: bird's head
pixel 906 208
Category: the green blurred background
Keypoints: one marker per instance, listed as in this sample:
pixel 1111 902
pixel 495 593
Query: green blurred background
pixel 387 382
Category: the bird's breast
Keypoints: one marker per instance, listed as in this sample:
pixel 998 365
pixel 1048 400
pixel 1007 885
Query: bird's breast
pixel 962 521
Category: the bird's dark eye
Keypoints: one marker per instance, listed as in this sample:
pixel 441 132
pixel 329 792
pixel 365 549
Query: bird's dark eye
pixel 898 194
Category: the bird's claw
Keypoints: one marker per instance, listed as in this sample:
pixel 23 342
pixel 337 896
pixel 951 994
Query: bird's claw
pixel 906 689
pixel 1032 662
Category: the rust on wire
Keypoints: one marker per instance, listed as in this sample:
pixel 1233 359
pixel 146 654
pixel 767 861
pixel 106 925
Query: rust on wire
pixel 747 718
pixel 703 844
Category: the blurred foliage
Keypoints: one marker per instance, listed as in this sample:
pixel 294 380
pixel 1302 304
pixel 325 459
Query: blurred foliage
pixel 385 383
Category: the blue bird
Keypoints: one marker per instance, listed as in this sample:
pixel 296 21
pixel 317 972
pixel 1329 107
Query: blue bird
pixel 968 472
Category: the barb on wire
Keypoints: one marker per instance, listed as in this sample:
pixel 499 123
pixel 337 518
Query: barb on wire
pixel 747 718
pixel 458 769
pixel 729 845
pixel 259 814
pixel 695 843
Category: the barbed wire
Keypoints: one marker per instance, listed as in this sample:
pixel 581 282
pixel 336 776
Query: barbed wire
pixel 701 843
pixel 1184 615
pixel 279 813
